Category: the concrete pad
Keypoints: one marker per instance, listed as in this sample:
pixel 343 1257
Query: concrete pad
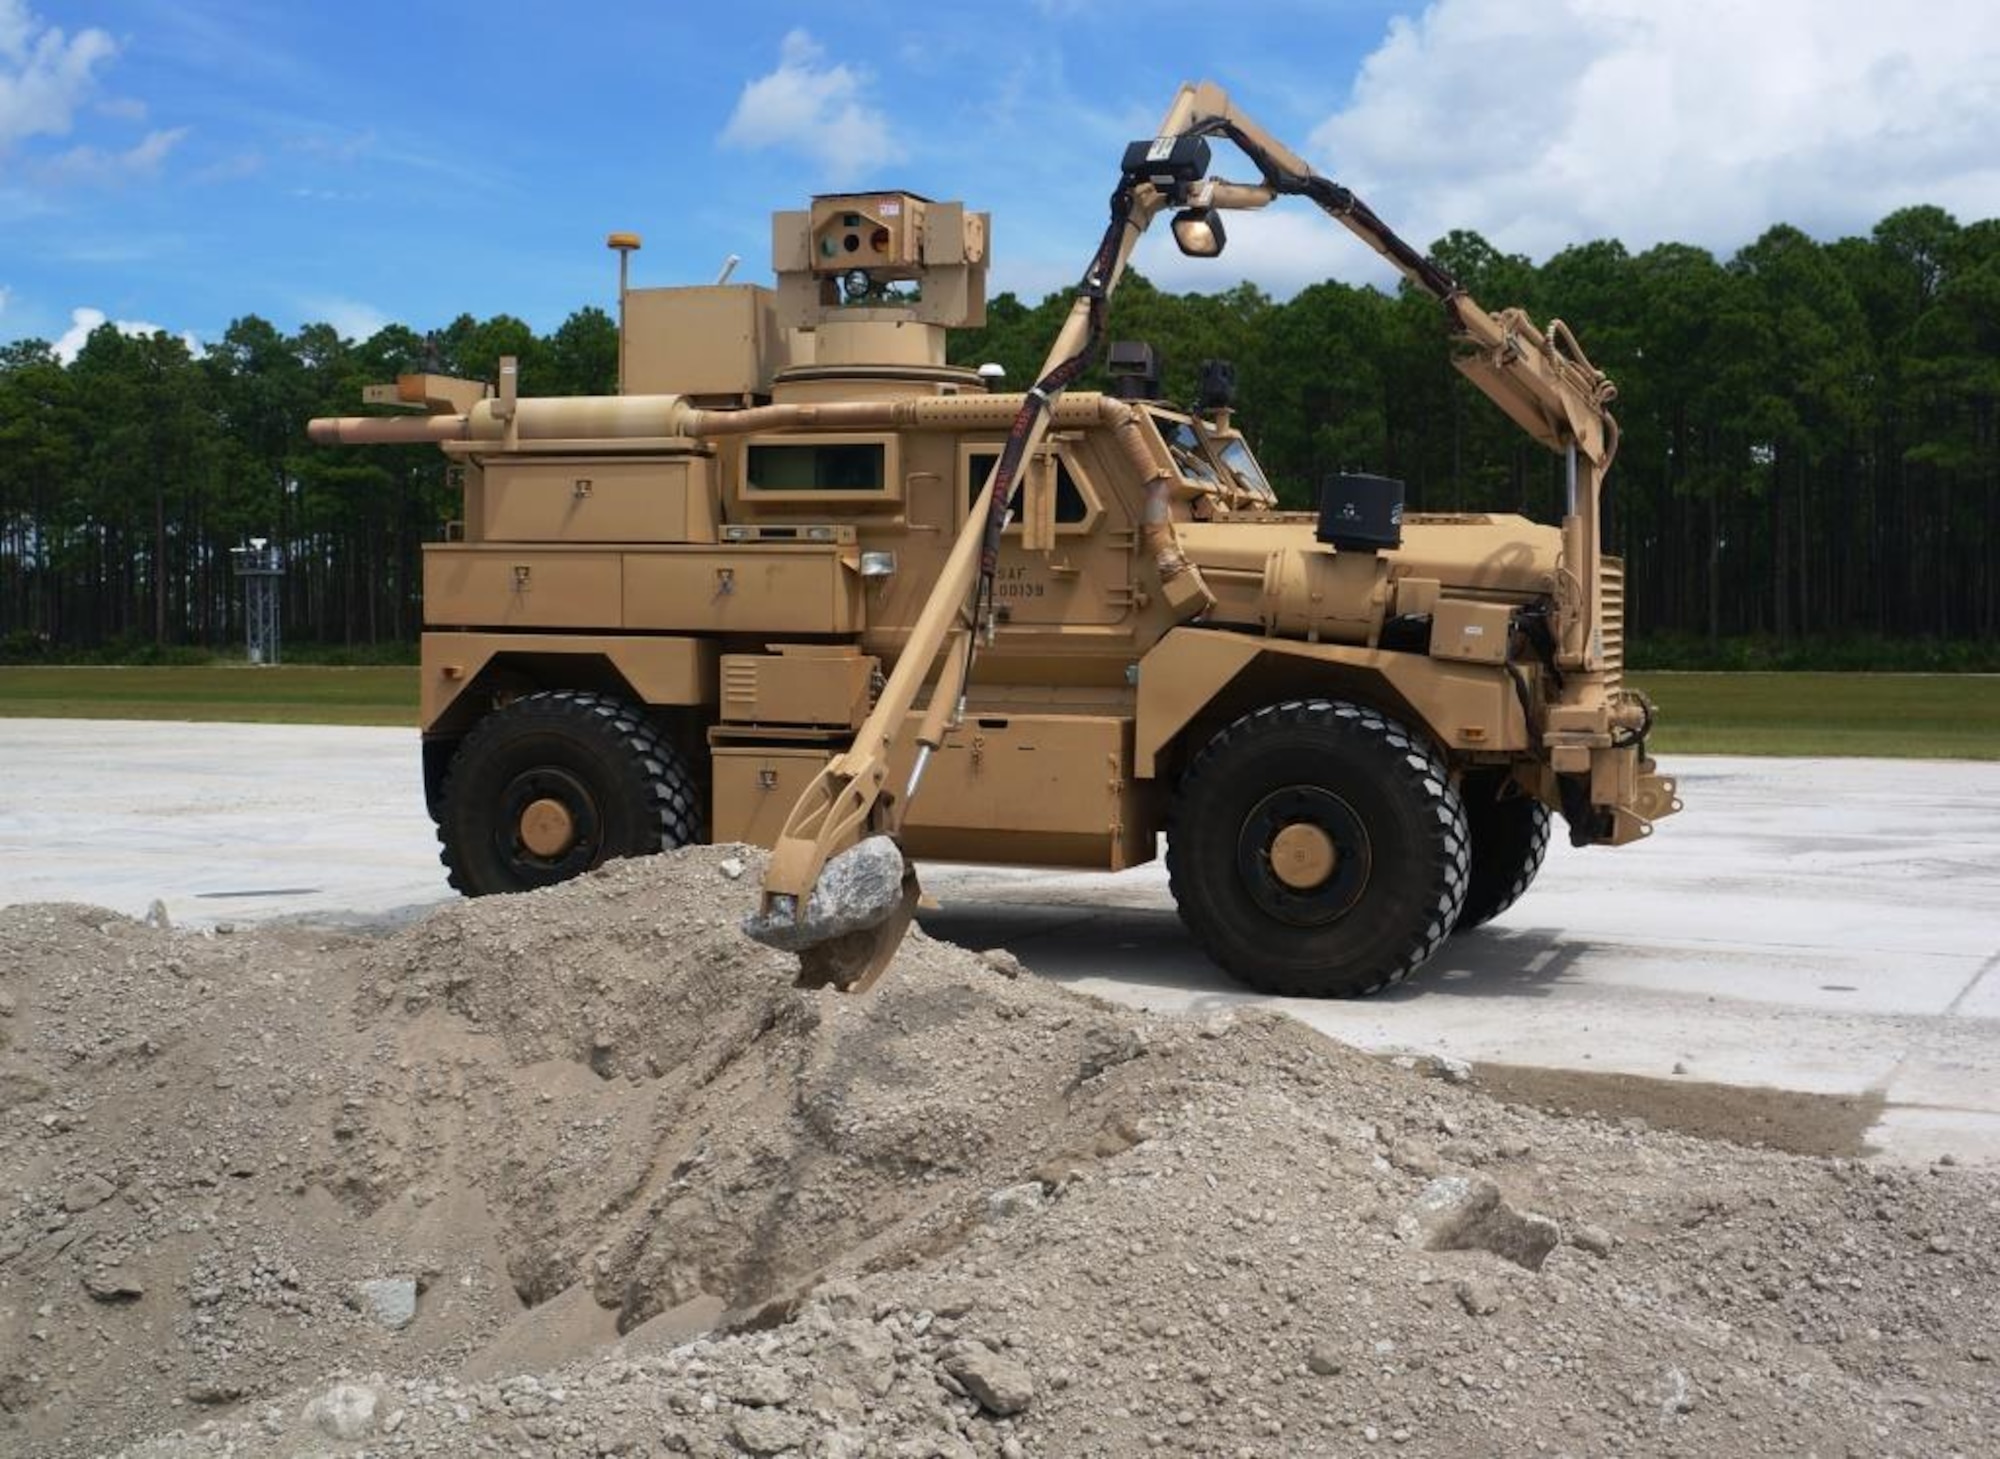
pixel 1816 925
pixel 1827 926
pixel 220 822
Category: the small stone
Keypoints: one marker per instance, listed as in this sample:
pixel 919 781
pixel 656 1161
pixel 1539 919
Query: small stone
pixel 112 1286
pixel 1452 1071
pixel 87 1194
pixel 1941 1244
pixel 1000 1385
pixel 156 916
pixel 1015 1200
pixel 954 1301
pixel 840 1298
pixel 1323 1360
pixel 1945 1159
pixel 1465 1213
pixel 345 1411
pixel 732 867
pixel 760 1386
pixel 1003 962
pixel 1106 1048
pixel 1593 1239
pixel 763 1431
pixel 1679 1067
pixel 1477 1296
pixel 7 1004
pixel 391 1301
pixel 213 1391
pixel 861 1358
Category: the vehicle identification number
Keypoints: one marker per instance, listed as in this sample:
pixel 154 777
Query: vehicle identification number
pixel 1014 582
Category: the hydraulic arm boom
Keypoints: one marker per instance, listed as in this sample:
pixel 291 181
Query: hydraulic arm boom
pixel 1541 379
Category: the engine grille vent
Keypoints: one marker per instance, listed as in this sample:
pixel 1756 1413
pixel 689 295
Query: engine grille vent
pixel 1611 621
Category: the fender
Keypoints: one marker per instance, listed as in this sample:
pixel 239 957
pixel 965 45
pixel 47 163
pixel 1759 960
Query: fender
pixel 1463 707
pixel 658 669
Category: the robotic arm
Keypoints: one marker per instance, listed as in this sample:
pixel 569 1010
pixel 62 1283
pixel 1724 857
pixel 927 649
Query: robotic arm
pixel 843 906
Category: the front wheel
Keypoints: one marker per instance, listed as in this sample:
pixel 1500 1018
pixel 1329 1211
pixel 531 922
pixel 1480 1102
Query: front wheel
pixel 1317 849
pixel 551 785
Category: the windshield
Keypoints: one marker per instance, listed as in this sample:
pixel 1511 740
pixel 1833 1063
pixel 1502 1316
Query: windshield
pixel 1236 456
pixel 1185 444
pixel 1222 462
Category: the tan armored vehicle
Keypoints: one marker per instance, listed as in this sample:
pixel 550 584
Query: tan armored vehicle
pixel 805 584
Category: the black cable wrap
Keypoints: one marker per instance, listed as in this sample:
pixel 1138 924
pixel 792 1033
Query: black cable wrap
pixel 1340 202
pixel 1095 287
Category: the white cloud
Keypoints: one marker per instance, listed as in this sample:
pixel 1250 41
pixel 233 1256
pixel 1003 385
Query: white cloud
pixel 6 297
pixel 233 168
pixel 811 107
pixel 83 321
pixel 44 72
pixel 1701 121
pixel 1281 250
pixel 350 318
pixel 93 165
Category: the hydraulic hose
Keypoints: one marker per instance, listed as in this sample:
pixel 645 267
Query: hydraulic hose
pixel 1042 396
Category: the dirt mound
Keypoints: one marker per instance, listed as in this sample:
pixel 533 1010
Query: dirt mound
pixel 581 1172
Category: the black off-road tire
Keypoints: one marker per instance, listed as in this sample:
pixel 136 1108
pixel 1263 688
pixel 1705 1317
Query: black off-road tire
pixel 627 791
pixel 1510 837
pixel 1377 791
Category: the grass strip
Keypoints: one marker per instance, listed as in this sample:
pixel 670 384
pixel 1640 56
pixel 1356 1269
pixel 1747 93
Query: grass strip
pixel 1922 716
pixel 1895 716
pixel 277 694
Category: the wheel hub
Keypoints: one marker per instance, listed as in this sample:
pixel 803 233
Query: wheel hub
pixel 547 827
pixel 1303 855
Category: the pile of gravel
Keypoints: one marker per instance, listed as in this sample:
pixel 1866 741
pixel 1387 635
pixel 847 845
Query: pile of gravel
pixel 581 1172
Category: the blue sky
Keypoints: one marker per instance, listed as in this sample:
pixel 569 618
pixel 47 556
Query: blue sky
pixel 178 163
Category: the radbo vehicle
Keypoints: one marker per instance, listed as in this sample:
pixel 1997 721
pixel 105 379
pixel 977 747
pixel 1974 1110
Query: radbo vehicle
pixel 803 583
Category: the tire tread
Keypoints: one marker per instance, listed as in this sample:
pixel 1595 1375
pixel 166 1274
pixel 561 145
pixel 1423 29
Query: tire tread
pixel 1422 773
pixel 673 795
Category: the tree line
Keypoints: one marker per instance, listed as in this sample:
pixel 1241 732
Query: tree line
pixel 1811 437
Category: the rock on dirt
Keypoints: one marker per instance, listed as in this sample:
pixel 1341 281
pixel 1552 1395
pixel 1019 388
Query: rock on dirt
pixel 1001 1385
pixel 344 1411
pixel 391 1301
pixel 656 1199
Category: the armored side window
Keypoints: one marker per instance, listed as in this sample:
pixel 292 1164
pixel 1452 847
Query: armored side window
pixel 1070 504
pixel 848 466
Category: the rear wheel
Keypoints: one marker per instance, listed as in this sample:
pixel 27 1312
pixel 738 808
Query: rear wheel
pixel 1317 849
pixel 554 784
pixel 1510 836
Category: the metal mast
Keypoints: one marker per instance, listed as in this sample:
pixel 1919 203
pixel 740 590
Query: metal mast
pixel 260 566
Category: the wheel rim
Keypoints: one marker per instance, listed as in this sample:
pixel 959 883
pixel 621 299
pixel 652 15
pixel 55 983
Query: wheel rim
pixel 549 826
pixel 1303 855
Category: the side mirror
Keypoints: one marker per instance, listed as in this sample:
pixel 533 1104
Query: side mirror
pixel 1198 232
